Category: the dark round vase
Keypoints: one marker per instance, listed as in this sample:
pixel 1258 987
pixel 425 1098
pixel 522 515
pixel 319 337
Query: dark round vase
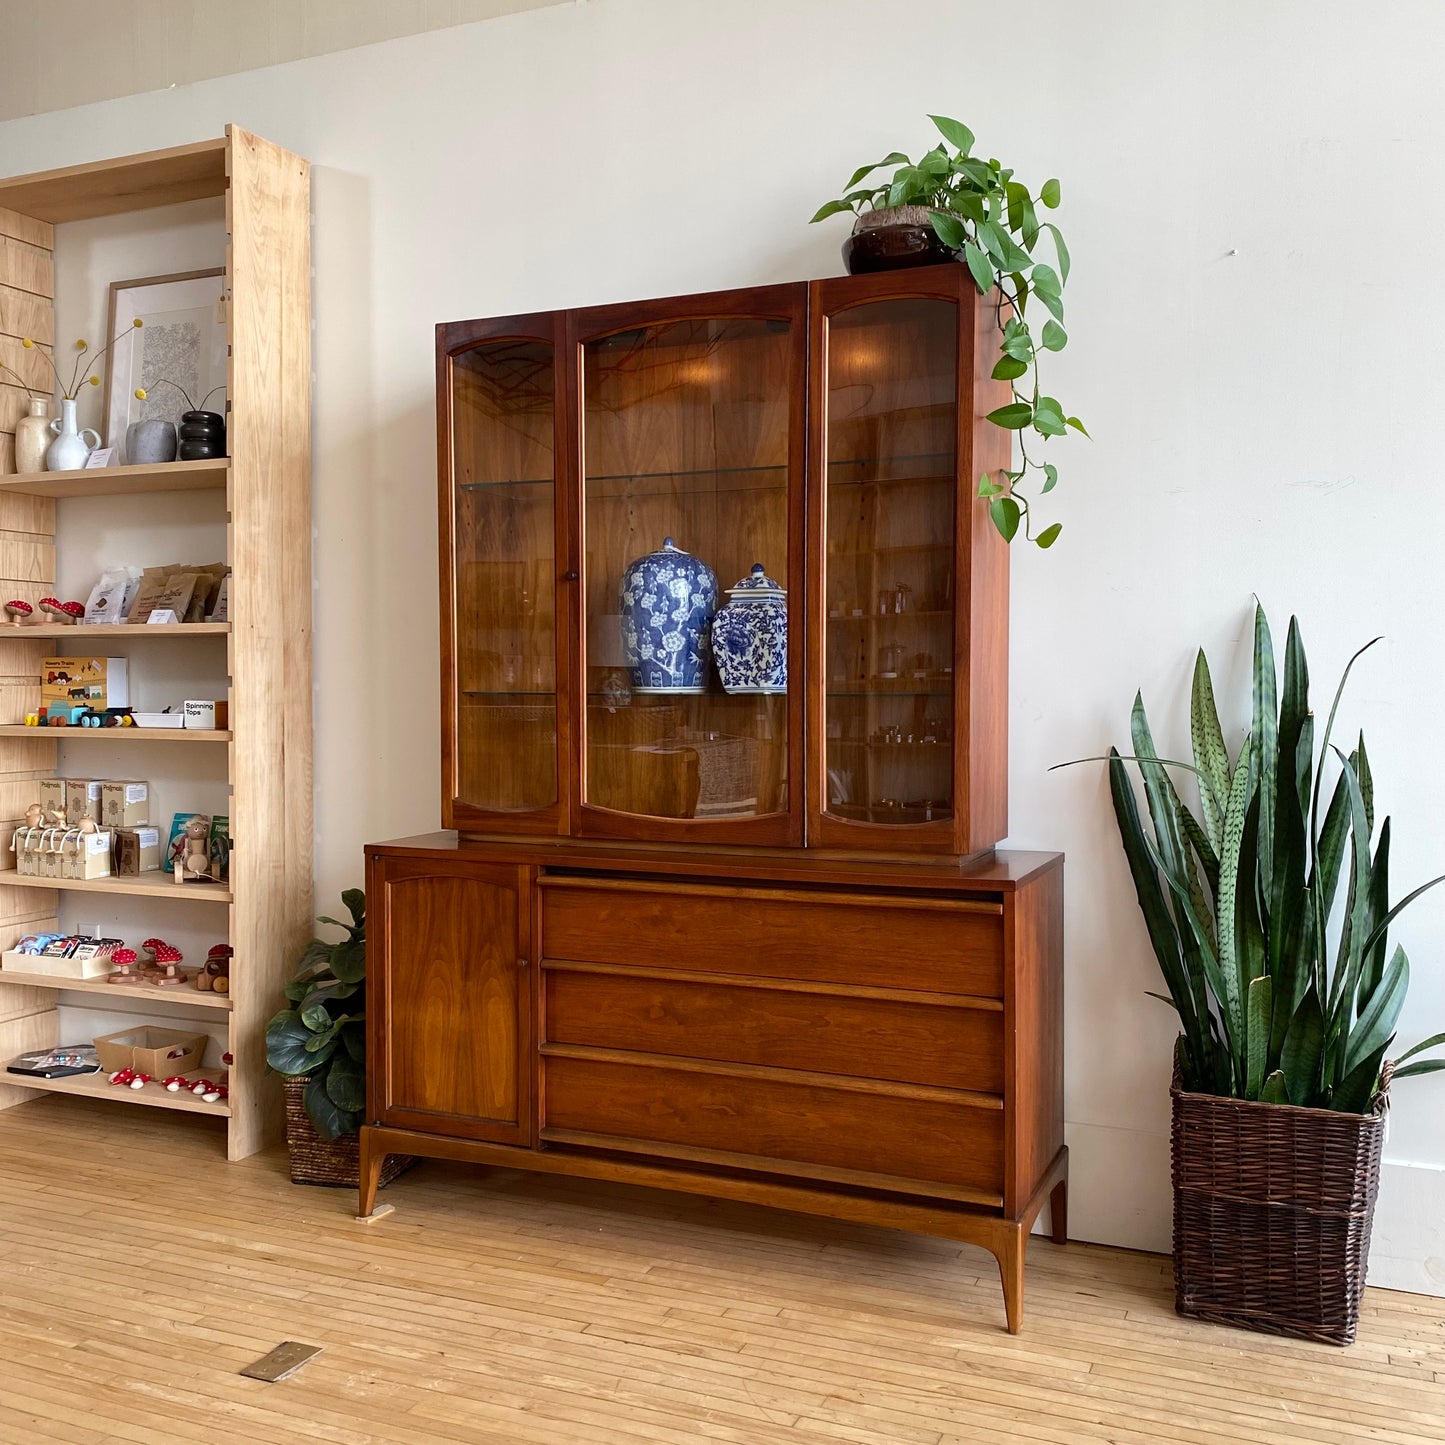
pixel 202 435
pixel 893 240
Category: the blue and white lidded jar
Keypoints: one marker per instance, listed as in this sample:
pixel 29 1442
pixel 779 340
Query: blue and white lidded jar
pixel 750 636
pixel 668 598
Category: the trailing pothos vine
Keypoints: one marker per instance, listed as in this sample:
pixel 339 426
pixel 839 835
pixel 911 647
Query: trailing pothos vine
pixel 978 209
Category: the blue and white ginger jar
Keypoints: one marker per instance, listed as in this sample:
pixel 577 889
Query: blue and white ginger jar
pixel 668 599
pixel 750 636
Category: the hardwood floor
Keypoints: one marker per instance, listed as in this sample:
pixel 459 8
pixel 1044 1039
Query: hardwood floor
pixel 139 1273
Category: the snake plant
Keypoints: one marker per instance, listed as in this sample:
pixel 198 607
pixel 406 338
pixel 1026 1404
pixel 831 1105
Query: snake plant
pixel 1278 1001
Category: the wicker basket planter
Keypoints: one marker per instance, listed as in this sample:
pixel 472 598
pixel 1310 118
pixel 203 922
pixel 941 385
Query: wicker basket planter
pixel 1272 1213
pixel 315 1160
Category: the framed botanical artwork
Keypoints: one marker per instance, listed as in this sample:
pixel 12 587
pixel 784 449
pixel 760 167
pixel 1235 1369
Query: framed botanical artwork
pixel 182 341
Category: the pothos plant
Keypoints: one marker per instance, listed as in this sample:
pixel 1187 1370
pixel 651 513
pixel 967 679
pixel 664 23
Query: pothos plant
pixel 978 209
pixel 322 1037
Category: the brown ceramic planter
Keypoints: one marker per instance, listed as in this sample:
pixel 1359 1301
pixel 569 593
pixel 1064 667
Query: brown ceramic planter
pixel 894 239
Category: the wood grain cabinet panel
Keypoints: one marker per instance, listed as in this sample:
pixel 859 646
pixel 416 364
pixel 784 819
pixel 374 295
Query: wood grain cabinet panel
pixel 833 1033
pixel 919 1140
pixel 448 959
pixel 948 945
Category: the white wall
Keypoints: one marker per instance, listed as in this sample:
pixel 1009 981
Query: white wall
pixel 1259 341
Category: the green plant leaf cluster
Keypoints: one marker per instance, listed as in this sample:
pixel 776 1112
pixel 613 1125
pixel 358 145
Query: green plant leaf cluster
pixel 980 211
pixel 1276 1001
pixel 322 1036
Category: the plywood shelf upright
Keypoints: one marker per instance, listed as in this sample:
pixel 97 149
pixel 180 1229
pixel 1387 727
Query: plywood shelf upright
pixel 266 486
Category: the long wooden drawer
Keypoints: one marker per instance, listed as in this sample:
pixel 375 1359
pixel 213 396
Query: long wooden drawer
pixel 902 1135
pixel 928 944
pixel 793 1027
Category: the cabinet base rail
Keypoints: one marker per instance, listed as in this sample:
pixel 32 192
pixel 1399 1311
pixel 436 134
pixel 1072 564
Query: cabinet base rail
pixel 1005 1238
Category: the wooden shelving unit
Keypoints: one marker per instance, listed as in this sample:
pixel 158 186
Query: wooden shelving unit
pixel 261 660
pixel 98 1086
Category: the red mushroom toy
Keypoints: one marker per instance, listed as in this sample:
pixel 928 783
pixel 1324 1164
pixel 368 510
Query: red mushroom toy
pixel 167 957
pixel 124 960
pixel 65 612
pixel 18 612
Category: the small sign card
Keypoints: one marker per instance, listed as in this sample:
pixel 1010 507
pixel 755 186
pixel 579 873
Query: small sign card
pixel 161 615
pixel 100 457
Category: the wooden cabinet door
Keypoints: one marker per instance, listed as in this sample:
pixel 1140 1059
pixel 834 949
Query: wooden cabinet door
pixel 449 997
pixel 908 580
pixel 502 515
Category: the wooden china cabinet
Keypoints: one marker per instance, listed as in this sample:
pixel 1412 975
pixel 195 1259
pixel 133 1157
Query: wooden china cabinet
pixel 752 943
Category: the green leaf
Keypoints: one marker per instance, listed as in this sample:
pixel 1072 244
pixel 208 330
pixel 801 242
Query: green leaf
pixel 348 961
pixel 1357 1089
pixel 1424 1066
pixel 1258 1019
pixel 1264 729
pixel 1077 425
pixel 1378 931
pixel 355 901
pixel 286 1040
pixel 1211 757
pixel 1061 251
pixel 1008 368
pixel 1054 337
pixel 1275 1090
pixel 1051 478
pixel 1303 1046
pixel 1013 417
pixel 1049 535
pixel 1045 278
pixel 979 267
pixel 353 1037
pixel 1433 1042
pixel 1048 418
pixel 316 1018
pixel 954 132
pixel 948 229
pixel 1375 1026
pixel 330 1119
pixel 1232 880
pixel 830 209
pixel 346 1083
pixel 1049 194
pixel 987 488
pixel 1005 514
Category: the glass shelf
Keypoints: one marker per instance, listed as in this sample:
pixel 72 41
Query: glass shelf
pixel 476 692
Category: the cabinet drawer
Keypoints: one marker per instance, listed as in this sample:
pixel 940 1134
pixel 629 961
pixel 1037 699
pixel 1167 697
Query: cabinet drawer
pixel 918 1043
pixel 774 1121
pixel 943 945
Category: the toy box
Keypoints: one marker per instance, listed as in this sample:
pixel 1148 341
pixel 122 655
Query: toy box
pixel 85 855
pixel 82 799
pixel 97 682
pixel 50 793
pixel 124 804
pixel 137 851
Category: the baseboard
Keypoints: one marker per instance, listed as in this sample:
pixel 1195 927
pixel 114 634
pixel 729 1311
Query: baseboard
pixel 1119 1194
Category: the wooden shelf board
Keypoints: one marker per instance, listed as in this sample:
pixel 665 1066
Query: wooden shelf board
pixel 147 885
pixel 193 997
pixel 125 183
pixel 208 475
pixel 98 1086
pixel 168 735
pixel 141 631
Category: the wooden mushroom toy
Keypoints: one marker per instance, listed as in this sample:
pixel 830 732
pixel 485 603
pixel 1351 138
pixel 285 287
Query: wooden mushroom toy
pixel 19 612
pixel 125 961
pixel 62 612
pixel 168 958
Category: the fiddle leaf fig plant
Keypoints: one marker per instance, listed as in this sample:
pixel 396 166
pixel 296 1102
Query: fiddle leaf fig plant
pixel 979 210
pixel 322 1036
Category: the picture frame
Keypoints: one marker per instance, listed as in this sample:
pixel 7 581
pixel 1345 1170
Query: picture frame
pixel 183 338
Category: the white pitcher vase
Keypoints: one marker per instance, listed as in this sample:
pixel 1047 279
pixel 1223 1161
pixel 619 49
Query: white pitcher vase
pixel 70 450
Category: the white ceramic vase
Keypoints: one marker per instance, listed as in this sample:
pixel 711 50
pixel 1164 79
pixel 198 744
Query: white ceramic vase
pixel 32 436
pixel 69 451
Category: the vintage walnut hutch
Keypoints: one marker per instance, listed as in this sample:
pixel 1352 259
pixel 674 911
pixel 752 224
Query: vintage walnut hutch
pixel 756 946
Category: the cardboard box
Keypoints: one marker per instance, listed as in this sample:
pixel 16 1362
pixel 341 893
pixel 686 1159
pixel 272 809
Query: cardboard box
pixel 137 851
pixel 47 859
pixel 82 799
pixel 97 682
pixel 124 804
pixel 154 1051
pixel 86 855
pixel 204 714
pixel 51 794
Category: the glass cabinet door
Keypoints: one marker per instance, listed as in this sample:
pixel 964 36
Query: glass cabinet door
pixel 691 543
pixel 500 499
pixel 891 532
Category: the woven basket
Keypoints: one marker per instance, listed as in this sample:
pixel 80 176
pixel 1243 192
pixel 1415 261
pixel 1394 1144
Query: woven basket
pixel 1272 1212
pixel 315 1160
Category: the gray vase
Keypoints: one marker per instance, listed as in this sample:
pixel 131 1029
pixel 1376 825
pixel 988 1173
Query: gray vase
pixel 149 442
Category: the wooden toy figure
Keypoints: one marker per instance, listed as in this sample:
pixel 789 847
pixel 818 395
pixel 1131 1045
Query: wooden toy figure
pixel 195 863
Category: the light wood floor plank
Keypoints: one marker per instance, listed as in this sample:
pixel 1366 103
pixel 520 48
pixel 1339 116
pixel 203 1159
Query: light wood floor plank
pixel 139 1272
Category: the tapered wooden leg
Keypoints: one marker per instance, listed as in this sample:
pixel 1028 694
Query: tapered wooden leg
pixel 1010 1255
pixel 1059 1212
pixel 372 1160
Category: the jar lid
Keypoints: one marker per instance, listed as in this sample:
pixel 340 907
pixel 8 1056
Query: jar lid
pixel 757 584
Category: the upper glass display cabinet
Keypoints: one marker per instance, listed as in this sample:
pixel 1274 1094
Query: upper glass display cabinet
pixel 714 569
pixel 690 533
